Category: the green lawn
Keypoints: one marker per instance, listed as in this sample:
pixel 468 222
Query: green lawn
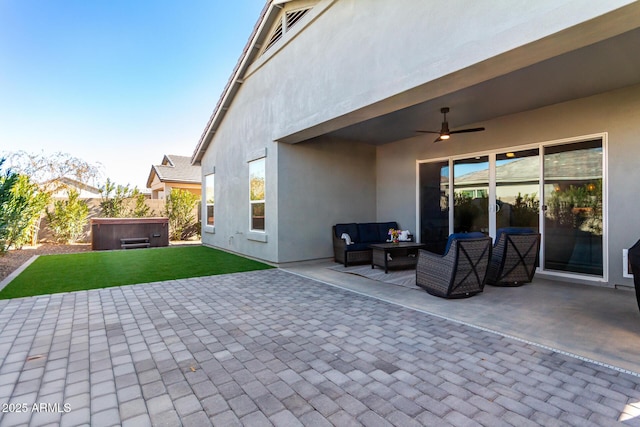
pixel 91 270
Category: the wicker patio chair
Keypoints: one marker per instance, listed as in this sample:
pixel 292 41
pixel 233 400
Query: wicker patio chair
pixel 514 257
pixel 460 272
pixel 634 260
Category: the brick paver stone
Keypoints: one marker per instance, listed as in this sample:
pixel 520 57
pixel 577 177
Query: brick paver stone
pixel 273 348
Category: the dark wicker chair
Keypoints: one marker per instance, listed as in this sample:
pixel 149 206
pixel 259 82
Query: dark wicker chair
pixel 634 260
pixel 514 257
pixel 460 272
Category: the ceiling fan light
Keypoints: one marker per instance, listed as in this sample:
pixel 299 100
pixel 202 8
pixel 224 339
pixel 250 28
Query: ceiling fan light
pixel 445 136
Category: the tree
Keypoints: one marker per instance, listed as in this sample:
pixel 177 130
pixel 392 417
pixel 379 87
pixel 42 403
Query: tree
pixel 179 209
pixel 48 169
pixel 69 217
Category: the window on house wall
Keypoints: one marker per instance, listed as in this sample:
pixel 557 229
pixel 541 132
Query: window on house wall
pixel 209 196
pixel 257 178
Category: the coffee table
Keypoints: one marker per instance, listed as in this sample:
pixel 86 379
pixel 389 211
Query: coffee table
pixel 402 254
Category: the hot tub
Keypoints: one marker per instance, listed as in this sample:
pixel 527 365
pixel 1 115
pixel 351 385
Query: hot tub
pixel 113 233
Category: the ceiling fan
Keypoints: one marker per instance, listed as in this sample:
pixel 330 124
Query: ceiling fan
pixel 444 132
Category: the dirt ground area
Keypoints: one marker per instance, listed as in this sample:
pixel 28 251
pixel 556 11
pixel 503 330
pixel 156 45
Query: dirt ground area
pixel 15 258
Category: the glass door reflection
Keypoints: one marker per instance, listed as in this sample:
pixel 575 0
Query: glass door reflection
pixel 573 221
pixel 434 205
pixel 471 195
pixel 518 189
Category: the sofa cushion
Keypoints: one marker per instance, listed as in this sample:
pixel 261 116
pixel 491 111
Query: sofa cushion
pixel 383 230
pixel 351 229
pixel 368 232
pixel 357 247
pixel 460 236
pixel 512 230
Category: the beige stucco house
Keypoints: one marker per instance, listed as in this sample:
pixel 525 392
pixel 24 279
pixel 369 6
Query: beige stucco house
pixel 319 124
pixel 174 172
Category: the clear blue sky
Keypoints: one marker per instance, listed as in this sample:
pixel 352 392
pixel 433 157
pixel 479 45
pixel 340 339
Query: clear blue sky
pixel 121 82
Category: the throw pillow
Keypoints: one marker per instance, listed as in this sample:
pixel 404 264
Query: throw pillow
pixel 346 238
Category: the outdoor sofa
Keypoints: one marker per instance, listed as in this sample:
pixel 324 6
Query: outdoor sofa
pixel 514 257
pixel 361 237
pixel 461 272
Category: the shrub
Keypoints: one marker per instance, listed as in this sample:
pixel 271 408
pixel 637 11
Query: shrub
pixel 121 201
pixel 68 218
pixel 8 180
pixel 113 199
pixel 141 209
pixel 179 209
pixel 22 206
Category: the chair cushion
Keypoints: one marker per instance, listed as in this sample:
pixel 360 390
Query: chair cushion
pixel 383 230
pixel 368 232
pixel 351 229
pixel 460 236
pixel 512 230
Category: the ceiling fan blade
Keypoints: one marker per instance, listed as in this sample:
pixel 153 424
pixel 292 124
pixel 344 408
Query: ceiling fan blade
pixel 467 130
pixel 438 140
pixel 428 131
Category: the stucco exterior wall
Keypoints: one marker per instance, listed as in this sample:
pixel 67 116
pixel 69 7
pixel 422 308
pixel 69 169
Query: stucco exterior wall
pixel 323 182
pixel 615 113
pixel 354 55
pixel 243 136
pixel 351 63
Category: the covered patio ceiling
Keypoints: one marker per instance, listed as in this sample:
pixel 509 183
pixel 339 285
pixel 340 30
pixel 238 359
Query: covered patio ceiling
pixel 594 57
pixel 607 65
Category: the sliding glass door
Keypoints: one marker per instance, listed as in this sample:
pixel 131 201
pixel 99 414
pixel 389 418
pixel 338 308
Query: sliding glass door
pixel 434 205
pixel 573 220
pixel 471 195
pixel 518 189
pixel 554 189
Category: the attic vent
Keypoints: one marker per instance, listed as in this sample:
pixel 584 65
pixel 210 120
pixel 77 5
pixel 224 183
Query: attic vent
pixel 277 35
pixel 295 16
pixel 288 20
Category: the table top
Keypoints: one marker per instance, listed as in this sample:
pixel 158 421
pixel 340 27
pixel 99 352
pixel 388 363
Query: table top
pixel 390 245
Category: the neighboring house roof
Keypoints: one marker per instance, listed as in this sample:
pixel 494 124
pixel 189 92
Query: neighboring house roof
pixel 262 35
pixel 576 165
pixel 59 187
pixel 175 169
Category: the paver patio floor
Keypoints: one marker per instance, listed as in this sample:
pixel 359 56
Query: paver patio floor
pixel 274 348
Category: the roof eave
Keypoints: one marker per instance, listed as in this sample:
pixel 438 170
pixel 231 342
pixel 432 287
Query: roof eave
pixel 251 49
pixel 151 173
